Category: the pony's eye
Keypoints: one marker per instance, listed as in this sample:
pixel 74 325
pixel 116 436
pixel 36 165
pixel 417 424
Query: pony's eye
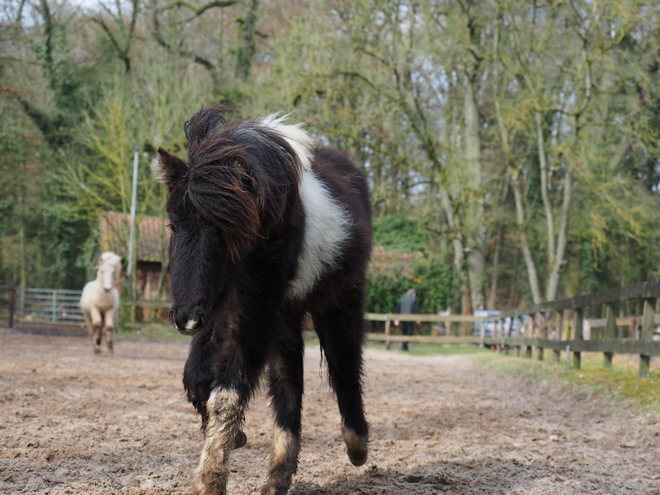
pixel 172 227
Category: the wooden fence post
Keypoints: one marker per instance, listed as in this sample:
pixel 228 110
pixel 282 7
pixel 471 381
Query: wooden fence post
pixel 507 334
pixel 543 333
pixel 648 321
pixel 482 333
pixel 12 305
pixel 500 334
pixel 610 324
pixel 387 332
pixel 532 328
pixel 577 355
pixel 559 328
pixel 519 330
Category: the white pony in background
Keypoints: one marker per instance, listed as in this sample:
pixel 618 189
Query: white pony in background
pixel 100 300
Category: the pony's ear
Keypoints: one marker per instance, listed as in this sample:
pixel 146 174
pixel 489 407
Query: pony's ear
pixel 171 169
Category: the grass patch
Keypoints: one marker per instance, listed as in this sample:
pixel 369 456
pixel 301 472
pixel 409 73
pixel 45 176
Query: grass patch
pixel 428 349
pixel 621 383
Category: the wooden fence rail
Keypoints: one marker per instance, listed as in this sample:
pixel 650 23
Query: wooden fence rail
pixel 388 338
pixel 545 328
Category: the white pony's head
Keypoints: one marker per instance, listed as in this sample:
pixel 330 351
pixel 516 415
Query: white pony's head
pixel 109 270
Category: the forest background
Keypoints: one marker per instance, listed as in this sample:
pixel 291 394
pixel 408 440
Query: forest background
pixel 511 145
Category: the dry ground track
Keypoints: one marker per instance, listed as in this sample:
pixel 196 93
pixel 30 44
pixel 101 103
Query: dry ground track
pixel 75 423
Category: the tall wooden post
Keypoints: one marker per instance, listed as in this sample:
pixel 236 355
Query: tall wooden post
pixel 559 327
pixel 507 334
pixel 12 305
pixel 519 330
pixel 648 318
pixel 577 355
pixel 543 333
pixel 387 332
pixel 530 334
pixel 610 324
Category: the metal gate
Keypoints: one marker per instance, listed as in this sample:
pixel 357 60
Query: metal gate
pixel 53 306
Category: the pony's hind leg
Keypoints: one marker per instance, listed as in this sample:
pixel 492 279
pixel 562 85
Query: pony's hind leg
pixel 285 387
pixel 340 332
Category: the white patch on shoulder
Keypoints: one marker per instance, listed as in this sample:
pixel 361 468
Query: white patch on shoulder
pixel 296 136
pixel 327 227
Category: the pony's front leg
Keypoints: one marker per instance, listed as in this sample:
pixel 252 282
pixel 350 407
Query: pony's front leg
pixel 223 427
pixel 285 387
pixel 94 321
pixel 109 321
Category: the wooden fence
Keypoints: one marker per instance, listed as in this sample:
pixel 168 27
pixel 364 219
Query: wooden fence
pixel 556 325
pixel 388 338
pixel 547 330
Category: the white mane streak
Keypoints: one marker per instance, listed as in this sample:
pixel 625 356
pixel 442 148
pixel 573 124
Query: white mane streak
pixel 299 140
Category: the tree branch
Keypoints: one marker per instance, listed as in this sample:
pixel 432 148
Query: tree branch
pixel 200 10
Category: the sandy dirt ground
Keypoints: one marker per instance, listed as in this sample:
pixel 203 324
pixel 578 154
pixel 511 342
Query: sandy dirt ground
pixel 75 423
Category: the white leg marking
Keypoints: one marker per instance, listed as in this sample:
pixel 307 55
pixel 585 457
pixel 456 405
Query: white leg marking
pixel 283 461
pixel 285 449
pixel 225 416
pixel 356 446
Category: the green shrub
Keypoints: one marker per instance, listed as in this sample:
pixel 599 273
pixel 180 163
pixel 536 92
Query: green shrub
pixel 431 280
pixel 401 234
pixel 435 281
pixel 384 291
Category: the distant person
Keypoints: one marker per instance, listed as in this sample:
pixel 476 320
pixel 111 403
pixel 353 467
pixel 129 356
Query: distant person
pixel 408 305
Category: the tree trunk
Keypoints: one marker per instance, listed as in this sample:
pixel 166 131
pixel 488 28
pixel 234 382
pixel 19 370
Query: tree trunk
pixel 492 295
pixel 474 220
pixel 553 278
pixel 247 42
pixel 549 219
pixel 532 276
pixel 459 254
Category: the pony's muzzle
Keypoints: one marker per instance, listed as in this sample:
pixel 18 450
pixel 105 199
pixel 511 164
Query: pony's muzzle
pixel 188 322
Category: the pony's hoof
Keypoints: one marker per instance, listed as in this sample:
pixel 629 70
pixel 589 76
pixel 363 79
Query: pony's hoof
pixel 356 446
pixel 240 440
pixel 357 458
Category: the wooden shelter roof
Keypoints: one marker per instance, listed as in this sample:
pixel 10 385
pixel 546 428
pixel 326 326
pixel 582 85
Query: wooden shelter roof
pixel 151 235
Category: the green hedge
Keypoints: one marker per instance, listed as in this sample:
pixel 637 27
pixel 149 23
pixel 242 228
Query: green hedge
pixel 401 234
pixel 432 280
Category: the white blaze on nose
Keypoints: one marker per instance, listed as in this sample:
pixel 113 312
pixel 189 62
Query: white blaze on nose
pixel 191 324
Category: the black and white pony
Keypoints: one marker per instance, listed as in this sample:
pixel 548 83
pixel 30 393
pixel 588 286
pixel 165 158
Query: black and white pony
pixel 265 229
